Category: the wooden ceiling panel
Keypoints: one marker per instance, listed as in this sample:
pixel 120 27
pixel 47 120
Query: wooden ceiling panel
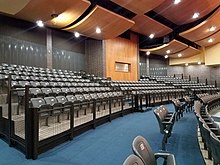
pixel 111 24
pixel 174 46
pixel 146 26
pixel 182 13
pixel 188 52
pixel 206 42
pixel 67 10
pixel 7 7
pixel 201 31
pixel 139 6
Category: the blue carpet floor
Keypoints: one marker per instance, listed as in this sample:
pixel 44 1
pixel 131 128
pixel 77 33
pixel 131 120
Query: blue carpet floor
pixel 110 143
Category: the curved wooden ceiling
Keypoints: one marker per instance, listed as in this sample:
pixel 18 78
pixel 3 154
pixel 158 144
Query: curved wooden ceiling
pixel 68 11
pixel 111 24
pixel 146 26
pixel 174 48
pixel 7 7
pixel 182 13
pixel 201 33
pixel 113 17
pixel 139 6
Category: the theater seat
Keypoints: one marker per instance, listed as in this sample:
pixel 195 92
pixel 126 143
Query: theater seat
pixel 215 143
pixel 133 160
pixel 142 149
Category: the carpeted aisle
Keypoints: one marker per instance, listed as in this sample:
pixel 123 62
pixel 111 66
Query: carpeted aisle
pixel 110 144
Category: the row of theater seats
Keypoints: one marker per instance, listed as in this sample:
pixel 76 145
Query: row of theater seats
pixel 194 86
pixel 209 129
pixel 57 105
pixel 144 155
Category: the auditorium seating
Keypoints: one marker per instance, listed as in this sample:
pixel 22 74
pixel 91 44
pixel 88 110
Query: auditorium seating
pixel 179 108
pixel 142 149
pixel 65 102
pixel 209 129
pixel 166 121
pixel 215 145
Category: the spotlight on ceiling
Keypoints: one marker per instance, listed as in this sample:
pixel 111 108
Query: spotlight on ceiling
pixel 176 2
pixel 76 34
pixel 195 15
pixel 98 30
pixel 179 55
pixel 212 29
pixel 151 36
pixel 40 23
pixel 166 56
pixel 168 51
pixel 186 64
pixel 147 53
pixel 210 40
pixel 199 63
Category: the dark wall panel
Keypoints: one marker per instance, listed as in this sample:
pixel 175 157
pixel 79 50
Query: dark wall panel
pixel 95 57
pixel 15 51
pixel 157 65
pixel 22 30
pixel 67 41
pixel 63 59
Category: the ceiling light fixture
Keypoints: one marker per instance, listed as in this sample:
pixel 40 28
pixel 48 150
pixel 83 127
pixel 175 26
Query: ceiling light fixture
pixel 147 53
pixel 179 55
pixel 40 23
pixel 212 29
pixel 199 62
pixel 186 64
pixel 76 34
pixel 176 2
pixel 166 56
pixel 98 30
pixel 210 40
pixel 168 51
pixel 195 15
pixel 151 35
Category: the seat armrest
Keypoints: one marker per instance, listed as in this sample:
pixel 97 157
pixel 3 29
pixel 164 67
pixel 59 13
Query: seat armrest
pixel 170 159
pixel 167 122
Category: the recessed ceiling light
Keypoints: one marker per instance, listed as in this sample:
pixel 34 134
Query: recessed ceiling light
pixel 179 55
pixel 212 29
pixel 199 62
pixel 151 36
pixel 40 23
pixel 98 30
pixel 176 2
pixel 210 40
pixel 76 34
pixel 168 51
pixel 147 53
pixel 166 56
pixel 186 64
pixel 195 15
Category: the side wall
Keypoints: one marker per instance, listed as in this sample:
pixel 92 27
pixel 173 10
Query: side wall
pixel 123 51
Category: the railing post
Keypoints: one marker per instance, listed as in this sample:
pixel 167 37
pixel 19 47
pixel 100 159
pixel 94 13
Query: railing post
pixel 28 126
pixel 9 111
pixel 71 121
pixel 197 79
pixel 189 78
pixel 35 133
pixel 206 81
pixel 215 83
pixel 110 109
pixel 94 114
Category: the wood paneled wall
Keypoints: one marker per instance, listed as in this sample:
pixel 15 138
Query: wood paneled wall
pixel 125 51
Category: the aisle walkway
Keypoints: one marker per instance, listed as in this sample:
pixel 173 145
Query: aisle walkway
pixel 110 144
